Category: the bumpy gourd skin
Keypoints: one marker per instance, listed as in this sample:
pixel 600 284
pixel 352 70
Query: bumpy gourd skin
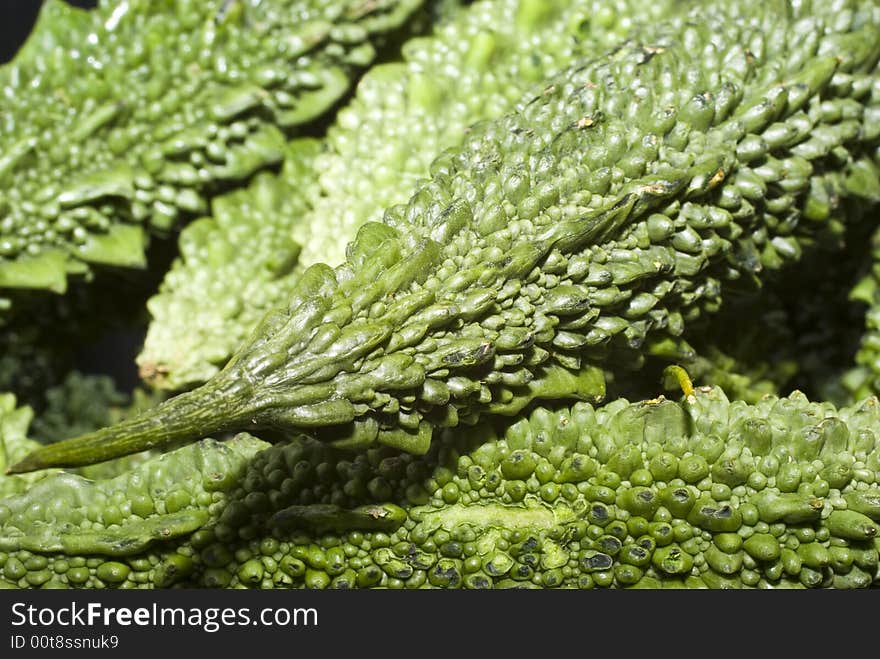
pixel 79 404
pixel 703 493
pixel 587 228
pixel 475 65
pixel 233 266
pixel 81 520
pixel 472 68
pixel 15 443
pixel 124 119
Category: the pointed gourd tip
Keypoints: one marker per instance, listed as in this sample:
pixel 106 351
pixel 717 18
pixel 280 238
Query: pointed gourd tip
pixel 31 462
pixel 21 467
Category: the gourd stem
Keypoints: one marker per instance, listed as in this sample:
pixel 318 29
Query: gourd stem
pixel 185 417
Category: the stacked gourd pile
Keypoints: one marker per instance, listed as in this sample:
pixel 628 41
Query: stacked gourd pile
pixel 401 327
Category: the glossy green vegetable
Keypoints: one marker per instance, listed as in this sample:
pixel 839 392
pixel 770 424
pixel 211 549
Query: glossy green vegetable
pixel 79 404
pixel 233 266
pixel 588 228
pixel 703 493
pixel 124 119
pixel 475 65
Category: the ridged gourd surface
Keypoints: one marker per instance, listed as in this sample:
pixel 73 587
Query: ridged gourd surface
pixel 585 229
pixel 125 119
pixel 476 64
pixel 703 493
pixel 588 227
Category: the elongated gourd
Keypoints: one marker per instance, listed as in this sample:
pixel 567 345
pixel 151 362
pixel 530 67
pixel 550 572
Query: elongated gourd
pixel 598 219
pixel 475 65
pixel 701 493
pixel 121 120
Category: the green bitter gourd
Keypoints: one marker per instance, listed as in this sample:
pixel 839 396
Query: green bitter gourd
pixel 232 266
pixel 587 228
pixel 475 65
pixel 702 493
pixel 128 117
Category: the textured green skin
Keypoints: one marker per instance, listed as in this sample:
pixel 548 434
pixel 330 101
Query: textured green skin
pixel 122 120
pixel 801 330
pixel 474 66
pixel 703 493
pixel 14 442
pixel 587 228
pixel 80 403
pixel 233 267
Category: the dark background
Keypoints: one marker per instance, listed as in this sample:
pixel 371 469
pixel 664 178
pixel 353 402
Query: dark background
pixel 16 19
